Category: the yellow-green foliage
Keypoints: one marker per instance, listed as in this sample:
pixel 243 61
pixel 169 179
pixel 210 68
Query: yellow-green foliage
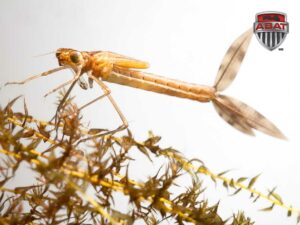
pixel 78 172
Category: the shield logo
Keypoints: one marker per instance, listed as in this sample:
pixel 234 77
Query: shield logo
pixel 271 28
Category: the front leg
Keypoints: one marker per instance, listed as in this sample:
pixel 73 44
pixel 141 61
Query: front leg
pixel 81 82
pixel 37 76
pixel 58 87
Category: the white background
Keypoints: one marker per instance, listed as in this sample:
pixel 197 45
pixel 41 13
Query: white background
pixel 185 40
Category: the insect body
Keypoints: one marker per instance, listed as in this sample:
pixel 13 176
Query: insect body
pixel 111 67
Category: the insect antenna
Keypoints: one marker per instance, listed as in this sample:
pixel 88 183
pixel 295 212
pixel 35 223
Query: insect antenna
pixel 44 54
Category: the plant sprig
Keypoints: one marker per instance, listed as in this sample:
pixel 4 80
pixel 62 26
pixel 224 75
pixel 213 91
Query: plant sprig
pixel 76 181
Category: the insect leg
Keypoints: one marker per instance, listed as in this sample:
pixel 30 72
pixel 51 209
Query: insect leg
pixel 74 80
pixel 107 90
pixel 37 76
pixel 81 82
pixel 91 86
pixel 58 87
pixel 107 93
pixel 91 102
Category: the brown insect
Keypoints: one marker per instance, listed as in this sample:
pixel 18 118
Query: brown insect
pixel 107 66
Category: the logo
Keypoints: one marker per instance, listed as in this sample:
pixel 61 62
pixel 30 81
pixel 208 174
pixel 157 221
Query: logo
pixel 271 28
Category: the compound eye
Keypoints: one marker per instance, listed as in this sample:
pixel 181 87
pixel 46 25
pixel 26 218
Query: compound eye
pixel 75 57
